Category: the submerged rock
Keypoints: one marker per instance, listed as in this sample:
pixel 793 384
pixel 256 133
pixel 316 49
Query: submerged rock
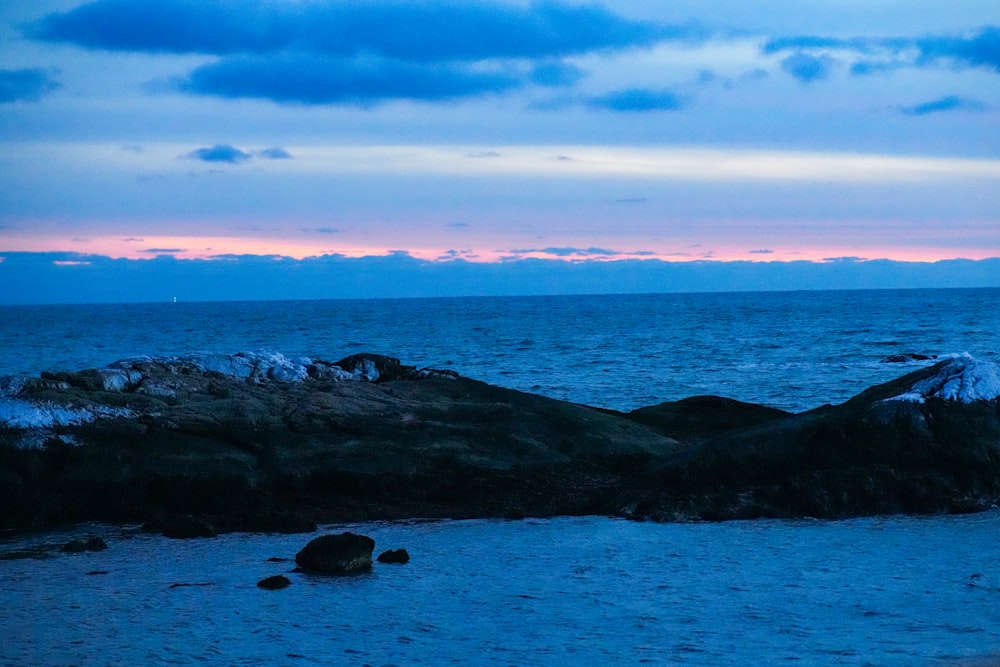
pixel 89 544
pixel 909 356
pixel 345 553
pixel 394 556
pixel 181 527
pixel 275 583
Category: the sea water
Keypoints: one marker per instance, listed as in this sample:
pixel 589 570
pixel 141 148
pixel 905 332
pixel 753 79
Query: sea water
pixel 575 591
pixel 790 350
pixel 565 591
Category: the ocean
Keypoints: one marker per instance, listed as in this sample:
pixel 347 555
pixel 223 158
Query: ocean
pixel 790 350
pixel 581 591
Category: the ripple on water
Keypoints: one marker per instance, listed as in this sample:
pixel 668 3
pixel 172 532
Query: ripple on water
pixel 886 591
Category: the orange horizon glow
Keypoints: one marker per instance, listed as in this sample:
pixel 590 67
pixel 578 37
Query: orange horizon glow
pixel 218 248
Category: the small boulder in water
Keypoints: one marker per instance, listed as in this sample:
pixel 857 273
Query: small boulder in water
pixel 910 356
pixel 181 527
pixel 394 556
pixel 345 553
pixel 89 544
pixel 275 583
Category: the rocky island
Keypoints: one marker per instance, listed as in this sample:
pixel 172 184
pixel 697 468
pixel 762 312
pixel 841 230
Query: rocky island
pixel 205 443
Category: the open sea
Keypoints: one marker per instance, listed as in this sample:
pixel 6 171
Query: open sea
pixel 572 591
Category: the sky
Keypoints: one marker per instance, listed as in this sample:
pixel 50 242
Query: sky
pixel 221 149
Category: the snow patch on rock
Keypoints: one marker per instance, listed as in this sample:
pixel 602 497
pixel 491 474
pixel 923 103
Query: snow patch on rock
pixel 963 379
pixel 21 414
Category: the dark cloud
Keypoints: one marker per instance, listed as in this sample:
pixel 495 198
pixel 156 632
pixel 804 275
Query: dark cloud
pixel 806 67
pixel 134 239
pixel 483 154
pixel 308 79
pixel 866 67
pixel 321 230
pixel 425 32
pixel 631 200
pixel 163 251
pixel 980 48
pixel 949 103
pixel 220 153
pixel 638 100
pixel 458 225
pixel 360 52
pixel 762 251
pixel 276 153
pixel 25 85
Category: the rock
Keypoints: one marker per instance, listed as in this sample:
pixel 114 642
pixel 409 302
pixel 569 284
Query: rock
pixel 183 527
pixel 275 583
pixel 282 523
pixel 375 368
pixel 89 544
pixel 345 553
pixel 903 358
pixel 261 442
pixel 394 556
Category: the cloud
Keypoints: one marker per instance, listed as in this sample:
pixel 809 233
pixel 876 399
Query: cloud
pixel 25 85
pixel 163 251
pixel 576 253
pixel 321 230
pixel 631 200
pixel 361 52
pixel 363 81
pixel 806 67
pixel 949 103
pixel 34 278
pixel 979 48
pixel 276 153
pixel 425 32
pixel 220 153
pixel 762 251
pixel 638 100
pixel 458 225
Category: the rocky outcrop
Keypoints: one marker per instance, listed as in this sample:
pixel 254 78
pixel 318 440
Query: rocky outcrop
pixel 928 442
pixel 201 444
pixel 345 553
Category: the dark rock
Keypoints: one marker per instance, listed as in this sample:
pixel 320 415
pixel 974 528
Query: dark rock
pixel 903 358
pixel 701 416
pixel 219 443
pixel 344 553
pixel 395 556
pixel 97 572
pixel 376 367
pixel 185 526
pixel 89 544
pixel 275 583
pixel 275 559
pixel 282 523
